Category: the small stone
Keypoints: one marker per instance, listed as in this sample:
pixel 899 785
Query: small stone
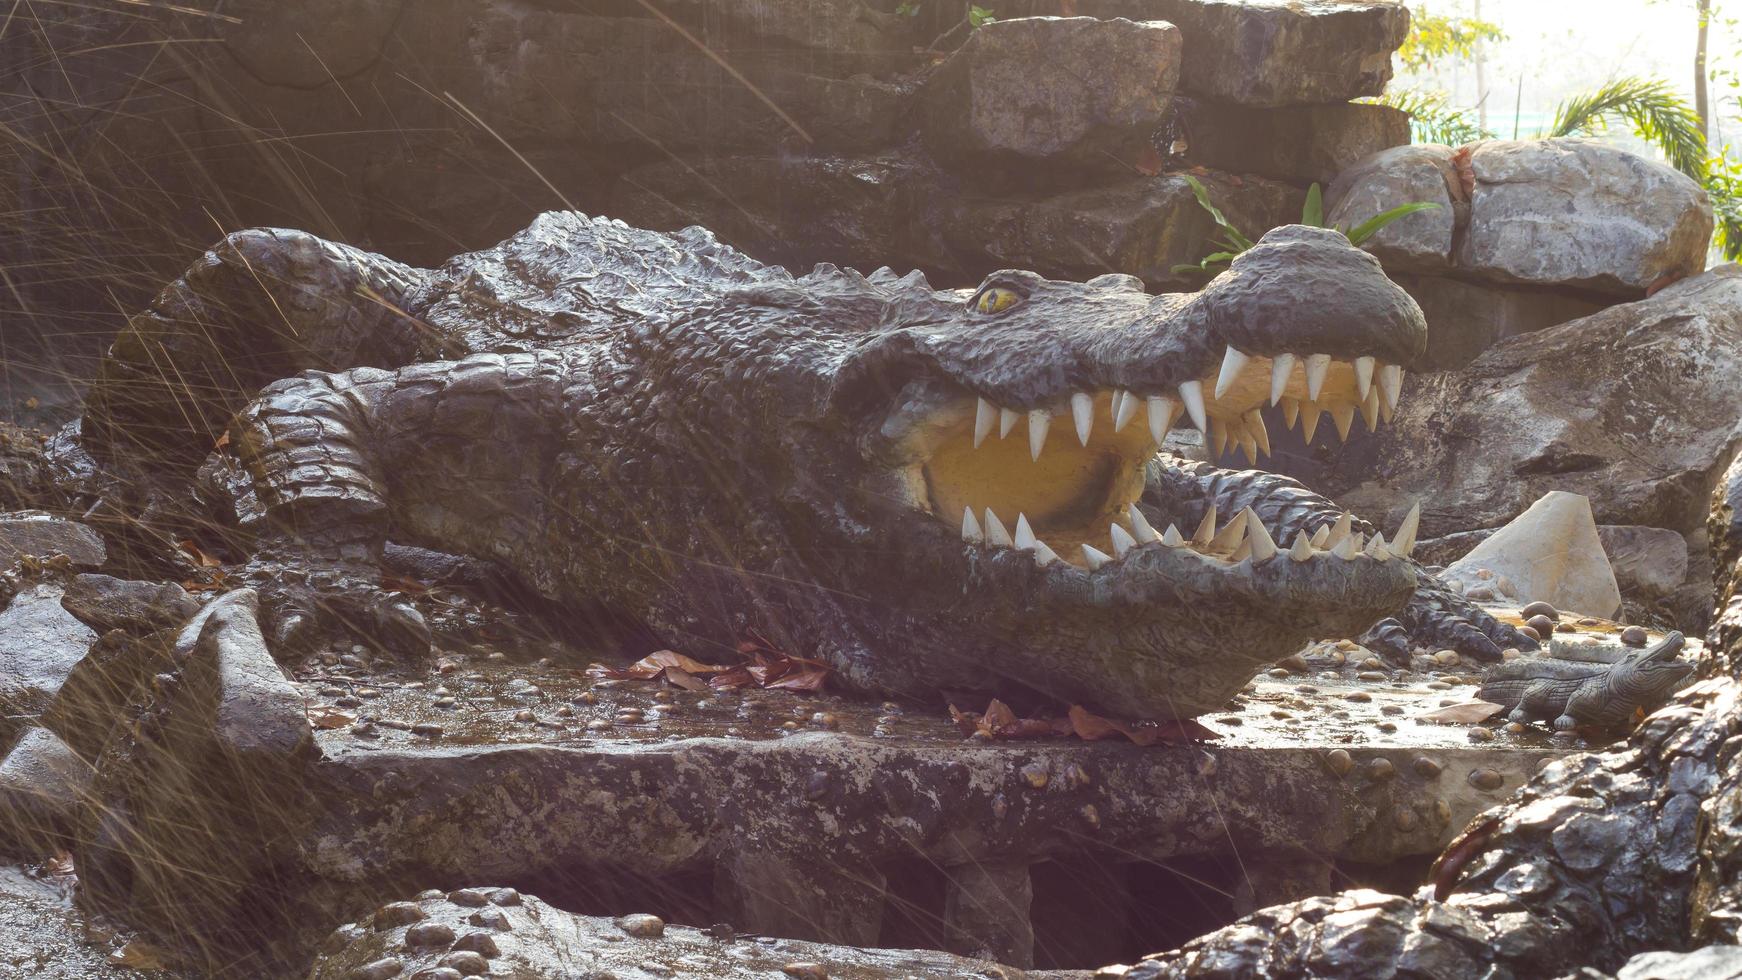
pixel 437 973
pixel 805 971
pixel 1536 609
pixel 1425 767
pixel 825 720
pixel 1479 734
pixel 1515 728
pixel 1358 696
pixel 396 914
pixel 1386 727
pixel 470 897
pixel 1380 769
pixel 1487 780
pixel 642 926
pixel 378 970
pixel 1339 761
pixel 1510 653
pixel 505 896
pixel 598 725
pixel 426 729
pixel 490 919
pixel 1634 636
pixel 469 964
pixel 1438 686
pixel 1091 816
pixel 429 934
pixel 446 702
pixel 1294 664
pixel 479 942
pixel 1448 658
pixel 1371 675
pixel 1035 774
pixel 1530 631
pixel 496 657
pixel 1075 776
pixel 1277 672
pixel 564 711
pixel 1405 819
pixel 1567 628
pixel 1541 624
pixel 525 717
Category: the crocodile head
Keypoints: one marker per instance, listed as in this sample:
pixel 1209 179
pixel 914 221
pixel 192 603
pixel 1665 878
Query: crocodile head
pixel 1646 678
pixel 1009 513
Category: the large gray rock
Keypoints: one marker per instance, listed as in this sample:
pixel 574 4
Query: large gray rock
pixel 1298 143
pixel 1561 212
pixel 1017 91
pixel 1550 553
pixel 256 714
pixel 40 644
pixel 106 603
pixel 1268 52
pixel 43 785
pixel 1649 562
pixel 40 535
pixel 1635 407
pixel 1465 318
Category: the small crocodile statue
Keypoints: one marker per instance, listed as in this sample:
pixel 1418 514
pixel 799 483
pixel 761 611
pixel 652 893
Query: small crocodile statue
pixel 929 489
pixel 1575 694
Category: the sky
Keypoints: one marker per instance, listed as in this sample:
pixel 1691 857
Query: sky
pixel 1561 47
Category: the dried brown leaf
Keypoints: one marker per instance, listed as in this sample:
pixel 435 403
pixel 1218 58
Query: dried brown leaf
pixel 1463 713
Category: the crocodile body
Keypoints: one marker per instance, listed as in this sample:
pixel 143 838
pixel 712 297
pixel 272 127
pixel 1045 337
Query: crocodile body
pixel 1573 694
pixel 929 489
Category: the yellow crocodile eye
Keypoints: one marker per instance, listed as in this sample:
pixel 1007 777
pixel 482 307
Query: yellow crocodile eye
pixel 997 299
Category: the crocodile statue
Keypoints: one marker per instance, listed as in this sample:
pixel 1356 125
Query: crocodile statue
pixel 1573 693
pixel 930 490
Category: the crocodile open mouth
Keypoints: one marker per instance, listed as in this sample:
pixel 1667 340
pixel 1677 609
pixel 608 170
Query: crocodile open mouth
pixel 1062 480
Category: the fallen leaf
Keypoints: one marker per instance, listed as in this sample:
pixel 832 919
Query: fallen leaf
pixel 32 403
pixel 140 956
pixel 199 555
pixel 394 583
pixel 1463 713
pixel 223 440
pixel 999 722
pixel 326 719
pixel 1091 727
pixel 60 866
pixel 684 679
pixel 654 665
pixel 1149 161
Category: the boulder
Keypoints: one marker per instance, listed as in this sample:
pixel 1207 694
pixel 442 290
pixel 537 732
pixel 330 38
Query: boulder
pixel 1550 553
pixel 43 784
pixel 229 678
pixel 1649 562
pixel 1550 212
pixel 105 603
pixel 1268 52
pixel 1635 408
pixel 1465 318
pixel 40 644
pixel 1299 143
pixel 39 535
pixel 1017 92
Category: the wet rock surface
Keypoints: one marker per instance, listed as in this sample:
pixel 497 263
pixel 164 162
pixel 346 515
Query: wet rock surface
pixel 40 535
pixel 40 644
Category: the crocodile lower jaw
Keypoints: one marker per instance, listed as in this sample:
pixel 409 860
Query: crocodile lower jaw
pixel 1062 481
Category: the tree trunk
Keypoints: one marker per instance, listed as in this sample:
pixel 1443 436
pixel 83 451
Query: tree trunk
pixel 1700 103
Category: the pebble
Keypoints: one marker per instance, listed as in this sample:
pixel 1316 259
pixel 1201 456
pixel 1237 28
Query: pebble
pixel 1386 727
pixel 429 934
pixel 1543 625
pixel 1479 734
pixel 1380 769
pixel 525 717
pixel 1358 696
pixel 1530 631
pixel 1510 653
pixel 642 926
pixel 505 897
pixel 1488 780
pixel 468 963
pixel 1339 761
pixel 1438 686
pixel 1425 767
pixel 490 919
pixel 1405 819
pixel 1277 672
pixel 1634 636
pixel 471 897
pixel 426 729
pixel 598 725
pixel 479 942
pixel 396 914
pixel 1515 728
pixel 444 702
pixel 1371 675
pixel 438 973
pixel 379 970
pixel 805 971
pixel 1448 658
pixel 1539 608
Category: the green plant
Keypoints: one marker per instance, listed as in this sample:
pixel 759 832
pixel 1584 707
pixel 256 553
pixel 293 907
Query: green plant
pixel 979 16
pixel 1433 119
pixel 907 8
pixel 1724 186
pixel 1432 37
pixel 1658 115
pixel 1234 241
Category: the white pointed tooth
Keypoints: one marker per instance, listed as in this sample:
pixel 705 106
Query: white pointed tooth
pixel 1192 393
pixel 1322 536
pixel 984 415
pixel 1113 404
pixel 1122 540
pixel 1141 529
pixel 1249 447
pixel 1385 411
pixel 1391 383
pixel 1364 375
pixel 1263 545
pixel 1338 532
pixel 1343 414
pixel 996 535
pixel 1309 419
pixel 1241 553
pixel 1007 420
pixel 1231 535
pixel 1126 411
pixel 1162 412
pixel 1083 414
pixel 1376 548
pixel 1316 367
pixel 1206 528
pixel 1218 438
pixel 1403 542
pixel 1280 369
pixel 1303 548
pixel 1347 548
pixel 1095 558
pixel 1038 421
pixel 1172 538
pixel 1255 425
pixel 1370 410
pixel 1044 555
pixel 971 532
pixel 1233 362
pixel 1290 412
pixel 1024 533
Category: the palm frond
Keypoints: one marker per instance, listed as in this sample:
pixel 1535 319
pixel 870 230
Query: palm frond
pixel 1658 115
pixel 1433 119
